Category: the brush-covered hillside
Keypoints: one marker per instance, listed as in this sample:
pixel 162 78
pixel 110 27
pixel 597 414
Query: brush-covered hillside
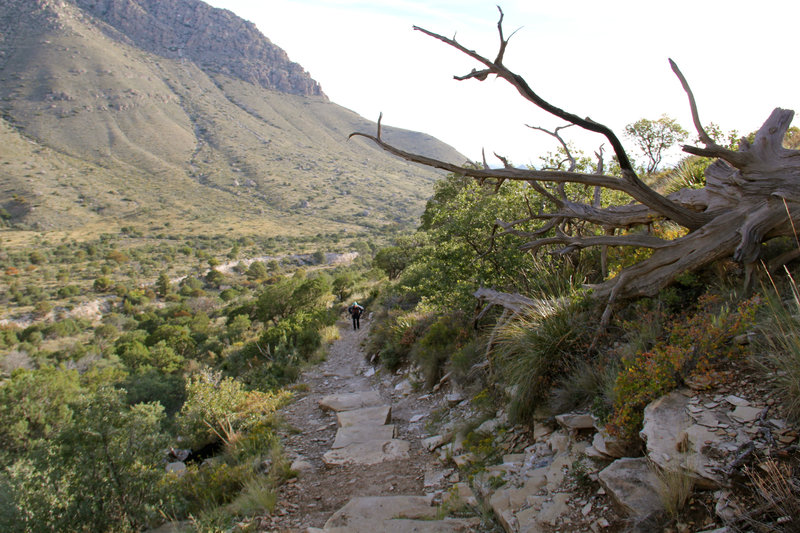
pixel 121 113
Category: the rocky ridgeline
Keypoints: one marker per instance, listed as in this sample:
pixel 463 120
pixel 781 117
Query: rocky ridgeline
pixel 215 39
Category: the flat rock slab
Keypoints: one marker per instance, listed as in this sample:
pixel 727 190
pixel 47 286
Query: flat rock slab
pixel 368 453
pixel 575 421
pixel 350 401
pixel 354 434
pixel 392 514
pixel 366 416
pixel 632 484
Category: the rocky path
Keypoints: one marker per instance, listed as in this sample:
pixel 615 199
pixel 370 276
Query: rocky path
pixel 352 440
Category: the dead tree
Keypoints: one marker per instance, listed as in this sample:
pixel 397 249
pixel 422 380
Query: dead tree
pixel 751 194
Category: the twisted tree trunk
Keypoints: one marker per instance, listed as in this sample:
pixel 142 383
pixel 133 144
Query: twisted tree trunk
pixel 751 195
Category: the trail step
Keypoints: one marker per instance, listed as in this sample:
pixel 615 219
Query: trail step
pixel 366 416
pixel 392 514
pixel 350 401
pixel 352 434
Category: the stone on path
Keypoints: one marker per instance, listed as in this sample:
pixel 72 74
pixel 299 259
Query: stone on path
pixel 366 416
pixel 350 401
pixel 393 514
pixel 632 484
pixel 371 452
pixel 352 434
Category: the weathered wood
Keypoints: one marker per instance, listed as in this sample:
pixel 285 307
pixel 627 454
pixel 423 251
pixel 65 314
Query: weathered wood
pixel 514 302
pixel 751 195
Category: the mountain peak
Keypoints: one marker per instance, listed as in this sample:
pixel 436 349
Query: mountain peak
pixel 215 39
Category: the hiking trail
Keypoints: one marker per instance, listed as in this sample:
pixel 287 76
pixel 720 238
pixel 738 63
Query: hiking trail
pixel 356 441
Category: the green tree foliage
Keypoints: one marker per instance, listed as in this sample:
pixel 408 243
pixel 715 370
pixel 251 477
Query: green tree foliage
pixel 655 137
pixel 456 250
pixel 288 296
pixel 392 260
pixel 35 406
pixel 342 285
pixel 163 284
pixel 102 473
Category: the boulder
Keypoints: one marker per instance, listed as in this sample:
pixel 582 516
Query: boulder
pixel 575 421
pixel 176 467
pixel 609 445
pixel 631 483
pixel 404 387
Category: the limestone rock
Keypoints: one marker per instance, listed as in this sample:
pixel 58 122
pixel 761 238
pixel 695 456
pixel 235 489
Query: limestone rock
pixel 392 514
pixel 460 493
pixel 404 387
pixel 632 485
pixel 745 414
pixel 368 453
pixel 431 443
pixel 176 467
pixel 608 445
pixel 375 416
pixel 301 465
pixel 205 35
pixel 350 401
pixel 665 420
pixel 575 421
pixel 352 434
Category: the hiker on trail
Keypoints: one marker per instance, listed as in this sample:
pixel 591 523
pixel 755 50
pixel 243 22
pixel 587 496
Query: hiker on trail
pixel 355 311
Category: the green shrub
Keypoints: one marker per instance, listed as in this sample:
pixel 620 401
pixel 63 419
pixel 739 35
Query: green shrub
pixel 586 384
pixel 218 408
pixel 393 336
pixel 213 484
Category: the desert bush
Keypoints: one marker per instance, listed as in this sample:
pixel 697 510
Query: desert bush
pixel 696 344
pixel 154 386
pixel 536 349
pixel 586 383
pixel 393 336
pixel 779 354
pixel 438 343
pixel 218 408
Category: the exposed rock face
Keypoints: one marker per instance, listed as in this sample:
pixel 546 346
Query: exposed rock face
pixel 215 39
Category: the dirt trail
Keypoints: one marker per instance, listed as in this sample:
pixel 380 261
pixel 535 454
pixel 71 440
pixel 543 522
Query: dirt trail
pixel 322 490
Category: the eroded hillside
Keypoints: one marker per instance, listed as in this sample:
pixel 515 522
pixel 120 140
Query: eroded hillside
pixel 96 127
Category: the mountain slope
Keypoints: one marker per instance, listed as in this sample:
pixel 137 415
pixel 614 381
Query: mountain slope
pixel 95 128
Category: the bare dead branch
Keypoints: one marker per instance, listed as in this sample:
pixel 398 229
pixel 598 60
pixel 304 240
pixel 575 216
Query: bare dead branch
pixel 577 243
pixel 641 191
pixel 712 149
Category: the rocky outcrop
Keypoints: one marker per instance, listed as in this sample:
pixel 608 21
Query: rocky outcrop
pixel 215 39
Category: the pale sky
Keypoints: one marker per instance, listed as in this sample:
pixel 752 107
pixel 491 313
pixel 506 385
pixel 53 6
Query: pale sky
pixel 606 60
